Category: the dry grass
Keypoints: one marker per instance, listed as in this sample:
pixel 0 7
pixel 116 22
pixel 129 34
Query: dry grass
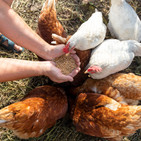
pixel 71 14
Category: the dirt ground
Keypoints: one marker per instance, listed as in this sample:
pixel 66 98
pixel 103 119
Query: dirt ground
pixel 71 13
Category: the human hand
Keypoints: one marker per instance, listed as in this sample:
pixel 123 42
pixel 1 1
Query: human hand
pixel 55 74
pixel 56 51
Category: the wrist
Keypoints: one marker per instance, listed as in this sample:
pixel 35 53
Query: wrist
pixel 44 68
pixel 36 68
pixel 46 52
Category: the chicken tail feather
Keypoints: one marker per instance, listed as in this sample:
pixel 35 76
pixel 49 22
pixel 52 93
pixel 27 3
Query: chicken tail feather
pixel 2 121
pixel 49 4
pixel 59 39
pixel 135 116
pixel 5 116
pixel 138 110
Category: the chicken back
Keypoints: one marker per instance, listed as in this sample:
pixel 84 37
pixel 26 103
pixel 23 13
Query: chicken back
pixel 48 22
pixel 124 88
pixel 39 110
pixel 123 29
pixel 98 115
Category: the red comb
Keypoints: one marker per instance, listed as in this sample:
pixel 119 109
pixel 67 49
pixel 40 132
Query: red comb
pixel 66 48
pixel 89 69
pixel 94 69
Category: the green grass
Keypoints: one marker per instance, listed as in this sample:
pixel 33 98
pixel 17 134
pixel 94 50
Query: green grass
pixel 72 13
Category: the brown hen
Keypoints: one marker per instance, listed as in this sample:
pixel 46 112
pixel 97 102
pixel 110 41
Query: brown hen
pixel 48 22
pixel 124 88
pixel 101 116
pixel 39 110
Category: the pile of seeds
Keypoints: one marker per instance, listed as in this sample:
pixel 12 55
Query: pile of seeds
pixel 65 63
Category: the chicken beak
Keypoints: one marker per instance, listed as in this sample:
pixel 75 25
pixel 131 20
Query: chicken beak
pixel 67 54
pixel 86 72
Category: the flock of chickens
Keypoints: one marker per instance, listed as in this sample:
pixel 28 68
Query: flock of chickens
pixel 105 104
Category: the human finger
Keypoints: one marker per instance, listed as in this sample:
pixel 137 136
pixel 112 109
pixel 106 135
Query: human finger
pixel 65 78
pixel 75 72
pixel 76 58
pixel 73 51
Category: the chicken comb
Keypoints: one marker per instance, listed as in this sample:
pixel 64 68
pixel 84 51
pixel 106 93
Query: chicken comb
pixel 94 69
pixel 90 70
pixel 66 48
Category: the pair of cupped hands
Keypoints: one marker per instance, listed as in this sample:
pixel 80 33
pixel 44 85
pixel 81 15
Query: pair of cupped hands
pixel 55 73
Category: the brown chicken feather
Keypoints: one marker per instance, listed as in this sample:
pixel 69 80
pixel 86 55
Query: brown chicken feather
pixel 39 110
pixel 48 22
pixel 124 88
pixel 101 116
pixel 84 59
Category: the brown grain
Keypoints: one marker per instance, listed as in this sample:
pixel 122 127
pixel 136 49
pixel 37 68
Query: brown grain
pixel 65 63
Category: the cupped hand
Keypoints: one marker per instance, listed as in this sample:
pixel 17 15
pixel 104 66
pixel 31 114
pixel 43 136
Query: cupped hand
pixel 57 51
pixel 56 75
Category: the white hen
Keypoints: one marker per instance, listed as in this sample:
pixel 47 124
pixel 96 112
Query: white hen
pixel 112 56
pixel 90 34
pixel 124 23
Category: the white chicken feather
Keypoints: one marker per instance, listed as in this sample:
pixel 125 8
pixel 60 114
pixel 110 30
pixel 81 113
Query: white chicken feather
pixel 112 56
pixel 90 34
pixel 124 23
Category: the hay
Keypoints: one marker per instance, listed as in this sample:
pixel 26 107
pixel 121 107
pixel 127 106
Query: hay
pixel 71 14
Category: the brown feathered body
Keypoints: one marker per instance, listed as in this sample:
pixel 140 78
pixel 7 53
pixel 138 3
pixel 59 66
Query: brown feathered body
pixel 48 22
pixel 101 116
pixel 84 59
pixel 124 88
pixel 39 110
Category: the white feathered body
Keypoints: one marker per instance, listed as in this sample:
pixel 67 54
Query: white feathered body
pixel 90 34
pixel 124 23
pixel 113 56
